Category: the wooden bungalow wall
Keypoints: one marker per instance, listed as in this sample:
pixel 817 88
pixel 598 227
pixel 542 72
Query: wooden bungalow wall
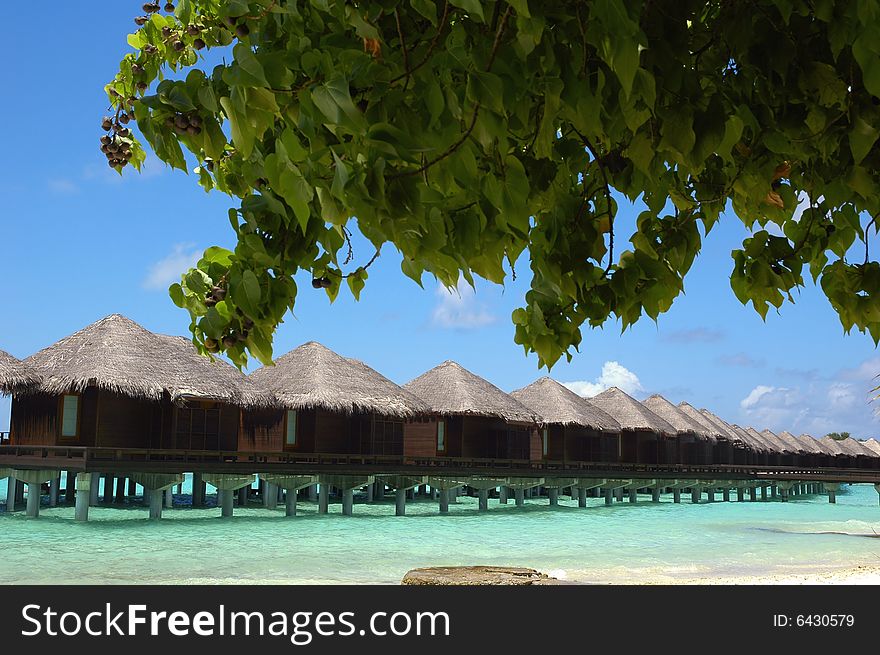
pixel 112 420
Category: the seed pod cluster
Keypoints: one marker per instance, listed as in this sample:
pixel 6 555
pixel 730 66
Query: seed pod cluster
pixel 116 144
pixel 320 283
pixel 189 123
pixel 237 24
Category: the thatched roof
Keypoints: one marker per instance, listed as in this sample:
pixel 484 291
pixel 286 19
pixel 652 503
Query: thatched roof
pixel 835 446
pixel 314 376
pixel 698 417
pixel 726 432
pixel 873 444
pixel 755 442
pixel 630 413
pixel 557 404
pixel 796 445
pixel 814 445
pixel 15 374
pixel 451 389
pixel 118 355
pixel 856 447
pixel 776 444
pixel 790 445
pixel 677 418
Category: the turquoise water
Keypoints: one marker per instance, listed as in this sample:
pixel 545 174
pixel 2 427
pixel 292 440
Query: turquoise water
pixel 621 543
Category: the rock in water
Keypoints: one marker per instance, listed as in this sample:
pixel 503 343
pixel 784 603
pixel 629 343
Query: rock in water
pixel 476 575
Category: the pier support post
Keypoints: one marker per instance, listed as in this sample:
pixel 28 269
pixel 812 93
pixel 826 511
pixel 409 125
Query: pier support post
pixel 553 495
pixel 763 492
pixel 70 487
pixel 832 488
pixel 483 500
pixel 33 500
pixel 198 490
pixel 323 498
pixel 313 493
pixel 520 497
pixel 54 484
pixel 120 490
pixel 774 492
pixel 156 498
pixel 609 494
pixel 633 495
pixel 347 501
pixel 169 498
pixel 270 495
pixel 108 488
pixel 582 497
pixel 753 494
pixel 877 489
pixel 400 502
pixel 725 494
pixel 740 494
pixel 710 495
pixel 290 502
pixel 226 497
pixel 655 495
pixel 676 495
pixel 502 494
pixel 93 490
pixel 82 485
pixel 11 484
pixel 695 495
pixel 370 489
pixel 242 496
pixel 444 501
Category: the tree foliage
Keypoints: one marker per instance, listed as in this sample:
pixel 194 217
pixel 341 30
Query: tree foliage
pixel 838 436
pixel 464 133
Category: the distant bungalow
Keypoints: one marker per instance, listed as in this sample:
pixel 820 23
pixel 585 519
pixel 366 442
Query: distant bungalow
pixel 572 428
pixel 474 418
pixel 645 437
pixel 695 439
pixel 328 404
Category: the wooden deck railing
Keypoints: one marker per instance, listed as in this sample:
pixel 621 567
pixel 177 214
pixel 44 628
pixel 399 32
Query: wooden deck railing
pixel 158 460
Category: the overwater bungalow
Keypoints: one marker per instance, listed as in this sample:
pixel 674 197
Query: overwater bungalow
pixel 645 438
pixel 330 404
pixel 823 455
pixel 116 384
pixel 15 375
pixel 862 456
pixel 695 439
pixel 572 429
pixel 761 451
pixel 873 444
pixel 722 449
pixel 474 418
pixel 735 448
pixel 794 449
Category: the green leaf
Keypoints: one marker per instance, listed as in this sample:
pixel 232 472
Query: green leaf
pixel 487 90
pixel 861 139
pixel 247 294
pixel 472 7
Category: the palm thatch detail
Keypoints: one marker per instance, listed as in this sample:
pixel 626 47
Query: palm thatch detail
pixel 15 375
pixel 559 405
pixel 630 413
pixel 313 376
pixel 118 355
pixel 451 390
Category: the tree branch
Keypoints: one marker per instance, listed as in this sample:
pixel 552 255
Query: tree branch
pixel 455 146
pixel 607 188
pixel 408 73
pixel 431 47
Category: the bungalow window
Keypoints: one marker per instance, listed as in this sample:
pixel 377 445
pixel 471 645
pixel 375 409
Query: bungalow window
pixel 387 437
pixel 70 416
pixel 198 428
pixel 441 436
pixel 545 441
pixel 290 428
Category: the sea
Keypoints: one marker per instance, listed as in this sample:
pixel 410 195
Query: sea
pixel 644 542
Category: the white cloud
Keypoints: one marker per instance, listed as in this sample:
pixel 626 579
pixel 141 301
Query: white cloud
pixel 818 408
pixel 62 185
pixel 458 308
pixel 613 374
pixel 168 269
pixel 755 395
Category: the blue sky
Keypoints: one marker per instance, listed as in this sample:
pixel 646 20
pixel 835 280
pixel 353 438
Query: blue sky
pixel 79 243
